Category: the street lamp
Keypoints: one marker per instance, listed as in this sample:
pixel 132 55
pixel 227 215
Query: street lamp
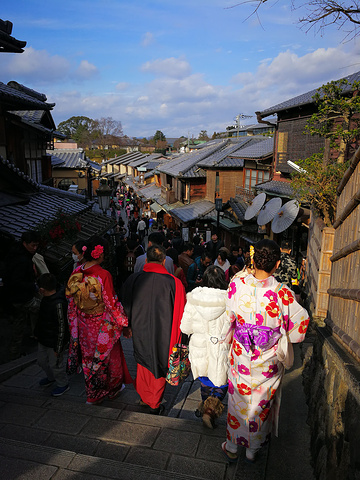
pixel 218 208
pixel 104 194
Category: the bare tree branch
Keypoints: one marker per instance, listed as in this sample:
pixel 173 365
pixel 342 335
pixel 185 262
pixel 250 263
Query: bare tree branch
pixel 321 14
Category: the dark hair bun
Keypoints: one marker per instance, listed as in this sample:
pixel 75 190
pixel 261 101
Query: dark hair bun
pixel 267 253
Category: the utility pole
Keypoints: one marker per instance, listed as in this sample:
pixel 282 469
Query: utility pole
pixel 237 120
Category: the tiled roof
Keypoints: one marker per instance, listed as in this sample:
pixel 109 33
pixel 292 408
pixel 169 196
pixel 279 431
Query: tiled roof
pixel 195 172
pixel 276 187
pixel 139 162
pixel 43 205
pixel 306 98
pixel 55 161
pixel 180 165
pixel 125 159
pixel 18 180
pixel 94 165
pixel 257 148
pixel 7 42
pixel 239 207
pixel 252 128
pixel 216 158
pixel 149 192
pixel 190 212
pixel 92 223
pixel 153 164
pixel 19 99
pixel 29 115
pixel 34 118
pixel 72 157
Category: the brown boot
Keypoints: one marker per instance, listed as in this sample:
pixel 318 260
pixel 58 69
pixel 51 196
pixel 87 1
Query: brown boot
pixel 213 408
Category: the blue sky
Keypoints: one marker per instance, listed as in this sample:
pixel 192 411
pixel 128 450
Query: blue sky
pixel 169 65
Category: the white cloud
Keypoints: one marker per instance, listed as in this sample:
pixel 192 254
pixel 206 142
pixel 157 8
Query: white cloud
pixel 186 102
pixel 35 66
pixel 121 86
pixel 170 67
pixel 147 39
pixel 86 70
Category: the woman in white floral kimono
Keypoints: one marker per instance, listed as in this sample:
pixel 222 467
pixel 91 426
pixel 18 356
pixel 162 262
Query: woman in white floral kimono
pixel 260 309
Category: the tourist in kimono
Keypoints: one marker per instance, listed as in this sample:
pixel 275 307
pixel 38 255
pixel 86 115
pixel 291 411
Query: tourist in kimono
pixel 261 310
pixel 96 321
pixel 77 253
pixel 206 322
pixel 154 303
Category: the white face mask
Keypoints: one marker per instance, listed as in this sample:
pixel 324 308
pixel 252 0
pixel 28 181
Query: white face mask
pixel 75 257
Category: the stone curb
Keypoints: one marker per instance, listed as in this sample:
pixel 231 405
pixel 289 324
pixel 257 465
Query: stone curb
pixel 9 369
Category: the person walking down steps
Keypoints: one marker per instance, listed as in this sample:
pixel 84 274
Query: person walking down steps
pixel 206 321
pixel 52 332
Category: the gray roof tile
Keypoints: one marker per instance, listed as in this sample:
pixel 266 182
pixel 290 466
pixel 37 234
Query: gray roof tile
pixel 190 212
pixel 72 157
pixel 195 172
pixel 125 159
pixel 149 192
pixel 256 149
pixel 276 187
pixel 16 219
pixel 180 165
pixel 20 99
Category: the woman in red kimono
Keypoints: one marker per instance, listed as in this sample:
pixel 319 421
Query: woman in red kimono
pixel 96 320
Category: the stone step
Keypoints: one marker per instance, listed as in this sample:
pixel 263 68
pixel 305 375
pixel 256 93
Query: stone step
pixel 21 460
pixel 180 445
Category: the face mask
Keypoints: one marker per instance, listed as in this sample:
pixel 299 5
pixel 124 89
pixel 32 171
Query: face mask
pixel 75 257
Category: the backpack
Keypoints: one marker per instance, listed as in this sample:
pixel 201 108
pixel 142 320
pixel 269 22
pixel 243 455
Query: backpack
pixel 130 260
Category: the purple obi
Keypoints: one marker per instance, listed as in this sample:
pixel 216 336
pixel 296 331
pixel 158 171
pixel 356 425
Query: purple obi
pixel 254 335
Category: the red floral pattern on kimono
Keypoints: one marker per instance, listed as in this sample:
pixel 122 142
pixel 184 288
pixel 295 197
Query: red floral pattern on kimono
pixel 255 375
pixel 95 339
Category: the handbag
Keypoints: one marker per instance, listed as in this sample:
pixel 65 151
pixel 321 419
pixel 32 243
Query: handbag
pixel 285 350
pixel 179 364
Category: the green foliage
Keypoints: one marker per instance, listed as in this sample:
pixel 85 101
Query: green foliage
pixel 337 102
pixel 159 136
pixel 203 135
pixel 98 155
pixel 81 129
pixel 317 185
pixel 84 130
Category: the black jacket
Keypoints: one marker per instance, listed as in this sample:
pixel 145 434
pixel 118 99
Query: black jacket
pixel 19 278
pixel 52 327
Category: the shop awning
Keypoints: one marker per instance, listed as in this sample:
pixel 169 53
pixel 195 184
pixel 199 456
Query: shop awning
pixel 227 224
pixel 155 207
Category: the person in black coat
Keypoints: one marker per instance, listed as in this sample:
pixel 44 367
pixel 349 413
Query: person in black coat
pixel 21 289
pixel 52 332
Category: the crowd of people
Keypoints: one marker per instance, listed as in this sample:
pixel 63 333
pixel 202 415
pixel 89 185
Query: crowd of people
pixel 234 308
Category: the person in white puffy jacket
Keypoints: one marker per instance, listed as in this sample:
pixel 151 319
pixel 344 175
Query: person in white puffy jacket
pixel 207 324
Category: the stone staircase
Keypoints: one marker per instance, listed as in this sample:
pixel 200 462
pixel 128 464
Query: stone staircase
pixel 62 438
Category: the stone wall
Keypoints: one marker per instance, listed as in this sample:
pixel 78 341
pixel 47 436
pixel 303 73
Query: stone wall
pixel 332 388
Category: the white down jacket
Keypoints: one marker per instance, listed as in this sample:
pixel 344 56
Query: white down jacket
pixel 206 321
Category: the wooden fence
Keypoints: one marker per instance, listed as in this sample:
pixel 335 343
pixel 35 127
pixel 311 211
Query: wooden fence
pixel 318 271
pixel 344 293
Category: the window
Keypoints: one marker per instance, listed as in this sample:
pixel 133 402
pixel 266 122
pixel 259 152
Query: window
pixel 253 177
pixel 217 184
pixel 65 183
